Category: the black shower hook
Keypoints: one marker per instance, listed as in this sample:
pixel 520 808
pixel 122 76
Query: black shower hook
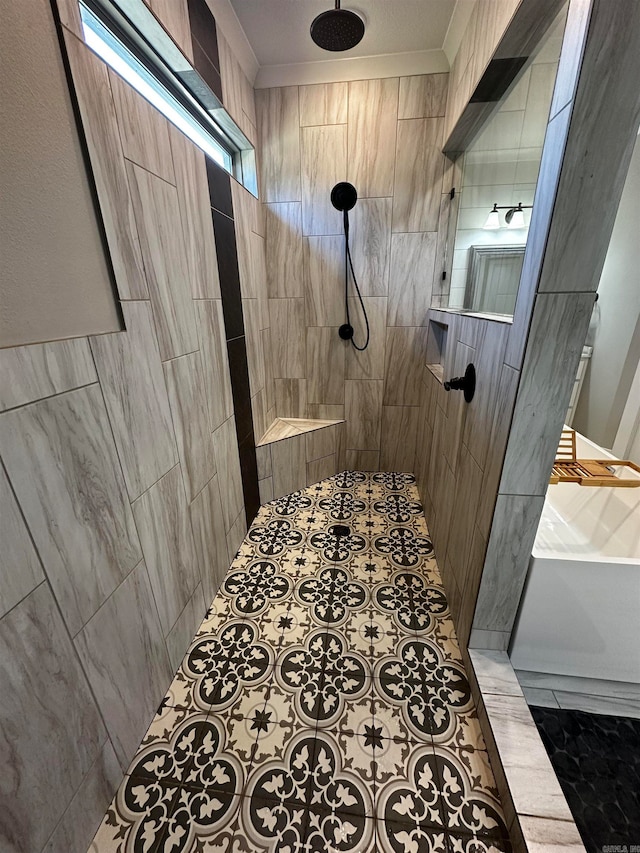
pixel 344 198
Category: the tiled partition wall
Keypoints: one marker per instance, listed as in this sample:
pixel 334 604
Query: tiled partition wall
pixel 121 488
pixel 384 136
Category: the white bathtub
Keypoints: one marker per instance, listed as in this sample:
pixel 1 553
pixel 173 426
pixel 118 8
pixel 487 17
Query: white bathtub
pixel 580 612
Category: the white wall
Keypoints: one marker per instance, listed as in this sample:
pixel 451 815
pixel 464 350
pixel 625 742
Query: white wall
pixel 55 282
pixel 616 344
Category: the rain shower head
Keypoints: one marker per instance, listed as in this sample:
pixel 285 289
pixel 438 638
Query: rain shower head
pixel 337 29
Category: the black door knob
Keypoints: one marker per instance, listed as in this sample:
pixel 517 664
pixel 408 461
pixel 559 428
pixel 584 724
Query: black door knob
pixel 466 383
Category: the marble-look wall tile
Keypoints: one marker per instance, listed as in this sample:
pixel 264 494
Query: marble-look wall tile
pixel 180 636
pixel 185 386
pixel 370 238
pixel 291 398
pixel 20 569
pixel 123 652
pixel 412 263
pixel 41 370
pixel 91 82
pixel 423 96
pixel 279 129
pixel 405 357
pixel 544 834
pixel 225 444
pixel 144 131
pixel 373 112
pixel 64 468
pixel 320 469
pixel 215 360
pixel 42 683
pixel 207 521
pixel 324 164
pixel 289 465
pixel 195 213
pixel 253 338
pixel 235 535
pixel 363 413
pixel 288 338
pixel 368 364
pixel 89 805
pixel 324 103
pixel 496 640
pixel 283 247
pixel 157 215
pixel 418 175
pixel 135 394
pixel 363 460
pixel 494 672
pixel 515 523
pixel 324 280
pixel 162 519
pixel 556 336
pixel 325 365
pixel 399 434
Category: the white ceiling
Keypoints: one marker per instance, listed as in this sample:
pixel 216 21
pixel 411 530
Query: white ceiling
pixel 278 30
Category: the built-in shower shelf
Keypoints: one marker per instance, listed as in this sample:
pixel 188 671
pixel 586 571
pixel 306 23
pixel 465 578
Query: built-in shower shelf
pixel 283 428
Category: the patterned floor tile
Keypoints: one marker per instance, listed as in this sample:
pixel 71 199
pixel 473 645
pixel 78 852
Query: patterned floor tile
pixel 322 705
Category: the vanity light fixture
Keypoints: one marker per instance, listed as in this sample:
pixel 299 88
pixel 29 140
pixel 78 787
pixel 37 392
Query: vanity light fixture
pixel 514 217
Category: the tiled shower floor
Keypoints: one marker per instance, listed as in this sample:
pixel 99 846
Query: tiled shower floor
pixel 322 704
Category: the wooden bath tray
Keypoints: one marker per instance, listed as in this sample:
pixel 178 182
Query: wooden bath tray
pixel 588 472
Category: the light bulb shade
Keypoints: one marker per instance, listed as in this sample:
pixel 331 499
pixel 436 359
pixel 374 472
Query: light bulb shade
pixel 493 221
pixel 516 219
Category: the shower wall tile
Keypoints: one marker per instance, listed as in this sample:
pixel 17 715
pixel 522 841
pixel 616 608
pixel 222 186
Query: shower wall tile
pixel 41 370
pixel 463 515
pixel 228 464
pixel 229 274
pixel 363 411
pixel 135 395
pixel 41 681
pixel 263 458
pixel 322 442
pixel 363 460
pixel 157 215
pixel 209 535
pixel 373 113
pixel 123 652
pixel 324 280
pixel 418 175
pixel 236 535
pixel 230 73
pixel 324 103
pixel 143 129
pixel 283 247
pixel 91 82
pixel 195 213
pixel 423 96
pixel 180 636
pixel 405 357
pixel 291 398
pixel 398 437
pixel 370 237
pixel 320 469
pixel 279 128
pixel 255 353
pixel 185 386
pixel 162 519
pixel 288 337
pixel 266 490
pixel 324 164
pixel 215 360
pixel 289 465
pixel 368 364
pixel 326 365
pixel 82 525
pixel 88 807
pixel 412 262
pixel 174 16
pixel 17 552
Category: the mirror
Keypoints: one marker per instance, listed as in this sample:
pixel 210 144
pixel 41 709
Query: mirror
pixel 499 174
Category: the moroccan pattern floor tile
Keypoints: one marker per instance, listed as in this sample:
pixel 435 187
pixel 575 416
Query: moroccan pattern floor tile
pixel 322 704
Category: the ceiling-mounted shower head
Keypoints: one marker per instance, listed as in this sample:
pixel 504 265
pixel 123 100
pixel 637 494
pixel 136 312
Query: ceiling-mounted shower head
pixel 337 29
